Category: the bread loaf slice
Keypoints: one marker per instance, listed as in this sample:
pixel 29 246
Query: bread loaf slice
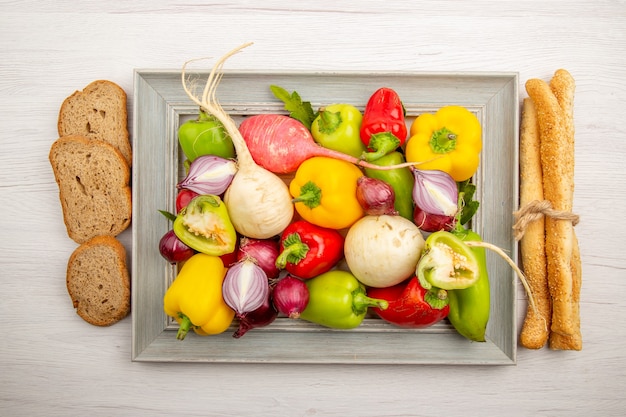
pixel 98 112
pixel 98 281
pixel 93 180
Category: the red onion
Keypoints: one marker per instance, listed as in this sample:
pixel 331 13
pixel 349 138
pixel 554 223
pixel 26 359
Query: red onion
pixel 435 192
pixel 291 296
pixel 245 287
pixel 375 196
pixel 173 249
pixel 432 222
pixel 209 174
pixel 262 251
pixel 261 317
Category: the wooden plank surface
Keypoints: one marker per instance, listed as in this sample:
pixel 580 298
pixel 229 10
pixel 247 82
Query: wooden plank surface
pixel 54 364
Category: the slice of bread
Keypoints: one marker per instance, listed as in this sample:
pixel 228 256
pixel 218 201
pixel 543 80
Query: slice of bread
pixel 93 180
pixel 98 281
pixel 98 112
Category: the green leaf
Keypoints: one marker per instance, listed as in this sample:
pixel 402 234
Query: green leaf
pixel 168 215
pixel 469 206
pixel 298 109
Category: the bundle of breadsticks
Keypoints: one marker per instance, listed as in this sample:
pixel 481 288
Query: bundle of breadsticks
pixel 545 223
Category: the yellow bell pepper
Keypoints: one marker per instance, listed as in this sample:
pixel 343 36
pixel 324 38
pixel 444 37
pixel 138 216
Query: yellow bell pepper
pixel 449 140
pixel 195 297
pixel 324 191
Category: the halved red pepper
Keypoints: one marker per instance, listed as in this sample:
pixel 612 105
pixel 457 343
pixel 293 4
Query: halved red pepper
pixel 411 305
pixel 308 250
pixel 384 113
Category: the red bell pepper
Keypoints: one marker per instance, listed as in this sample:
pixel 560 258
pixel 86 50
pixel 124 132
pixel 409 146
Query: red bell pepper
pixel 308 250
pixel 383 127
pixel 410 305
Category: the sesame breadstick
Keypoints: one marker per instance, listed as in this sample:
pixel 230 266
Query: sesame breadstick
pixel 536 327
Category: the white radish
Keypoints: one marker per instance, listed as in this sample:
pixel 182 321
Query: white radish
pixel 258 201
pixel 382 251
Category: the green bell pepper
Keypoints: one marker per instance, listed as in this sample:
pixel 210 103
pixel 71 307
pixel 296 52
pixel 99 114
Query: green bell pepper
pixel 205 136
pixel 469 307
pixel 447 263
pixel 338 127
pixel 401 180
pixel 338 300
pixel 204 225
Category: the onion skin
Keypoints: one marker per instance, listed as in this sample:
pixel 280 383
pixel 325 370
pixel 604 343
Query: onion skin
pixel 433 222
pixel 173 249
pixel 262 251
pixel 261 317
pixel 375 196
pixel 291 296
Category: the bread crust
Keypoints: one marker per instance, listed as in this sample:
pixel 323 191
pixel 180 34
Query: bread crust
pixel 98 112
pixel 536 327
pixel 97 207
pixel 563 87
pixel 557 157
pixel 98 281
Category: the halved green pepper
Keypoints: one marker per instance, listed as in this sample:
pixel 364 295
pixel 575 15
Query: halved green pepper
pixel 447 263
pixel 401 180
pixel 338 127
pixel 204 225
pixel 338 300
pixel 469 307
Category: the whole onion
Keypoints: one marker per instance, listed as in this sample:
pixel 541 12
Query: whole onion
pixel 245 287
pixel 173 249
pixel 262 251
pixel 261 317
pixel 375 196
pixel 291 296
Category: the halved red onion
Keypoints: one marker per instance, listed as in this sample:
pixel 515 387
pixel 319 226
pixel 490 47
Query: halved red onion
pixel 245 287
pixel 209 174
pixel 435 192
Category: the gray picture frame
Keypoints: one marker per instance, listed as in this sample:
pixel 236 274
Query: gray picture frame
pixel 160 105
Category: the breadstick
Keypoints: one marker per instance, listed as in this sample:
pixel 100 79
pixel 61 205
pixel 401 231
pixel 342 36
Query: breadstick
pixel 536 327
pixel 557 160
pixel 563 87
pixel 575 341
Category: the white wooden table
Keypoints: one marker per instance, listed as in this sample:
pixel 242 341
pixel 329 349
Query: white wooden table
pixel 54 364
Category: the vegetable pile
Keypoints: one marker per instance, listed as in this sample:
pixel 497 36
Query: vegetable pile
pixel 327 216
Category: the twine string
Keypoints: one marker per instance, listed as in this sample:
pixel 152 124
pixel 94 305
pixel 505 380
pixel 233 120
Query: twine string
pixel 534 211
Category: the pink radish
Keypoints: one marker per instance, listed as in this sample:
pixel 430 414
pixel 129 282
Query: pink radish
pixel 281 143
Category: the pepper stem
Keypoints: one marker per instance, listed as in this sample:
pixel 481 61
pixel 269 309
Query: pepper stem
pixel 361 302
pixel 185 325
pixel 328 121
pixel 443 140
pixel 437 298
pixel 294 250
pixel 204 116
pixel 310 195
pixel 381 144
